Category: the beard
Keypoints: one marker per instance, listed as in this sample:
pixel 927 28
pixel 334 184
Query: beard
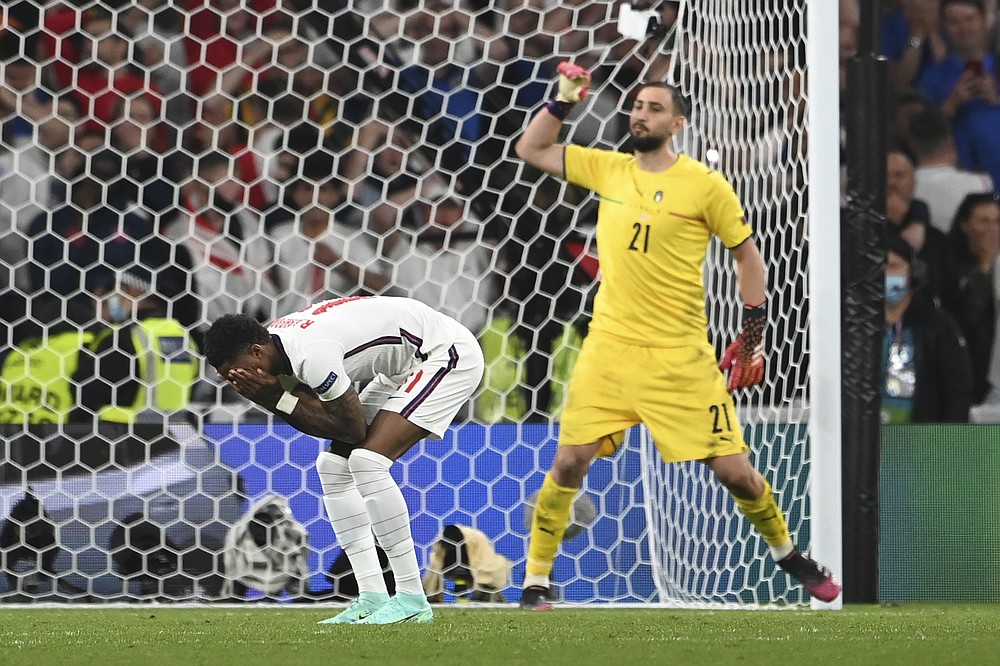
pixel 648 143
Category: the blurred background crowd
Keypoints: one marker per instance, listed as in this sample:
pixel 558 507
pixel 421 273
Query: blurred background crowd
pixel 164 162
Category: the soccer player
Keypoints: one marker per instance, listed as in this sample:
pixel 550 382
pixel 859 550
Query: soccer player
pixel 421 368
pixel 647 358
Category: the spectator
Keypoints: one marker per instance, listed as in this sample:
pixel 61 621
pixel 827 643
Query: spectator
pixel 965 85
pixel 217 129
pixel 912 40
pixel 447 264
pixel 446 96
pixel 928 373
pixel 300 143
pixel 850 23
pixel 318 255
pixel 906 105
pixel 156 27
pixel 35 375
pixel 152 176
pixel 910 219
pixel 215 30
pixel 232 258
pixel 939 181
pixel 283 54
pixel 274 113
pixel 27 185
pixel 395 170
pixel 93 64
pixel 141 365
pixel 72 247
pixel 975 235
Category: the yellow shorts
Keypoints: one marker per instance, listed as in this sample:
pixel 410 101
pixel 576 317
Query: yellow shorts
pixel 679 393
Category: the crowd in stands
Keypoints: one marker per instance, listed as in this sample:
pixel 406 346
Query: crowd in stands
pixel 941 204
pixel 258 155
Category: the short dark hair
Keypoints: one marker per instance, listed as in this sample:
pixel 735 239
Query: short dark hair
pixel 894 243
pixel 978 5
pixel 929 130
pixel 680 104
pixel 232 335
pixel 905 152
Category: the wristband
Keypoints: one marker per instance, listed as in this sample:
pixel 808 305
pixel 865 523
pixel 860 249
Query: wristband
pixel 559 108
pixel 286 403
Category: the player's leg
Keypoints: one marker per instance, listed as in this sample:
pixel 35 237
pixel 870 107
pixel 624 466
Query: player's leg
pixel 551 516
pixel 346 509
pixel 424 405
pixel 593 422
pixel 390 436
pixel 754 497
pixel 690 413
pixel 755 500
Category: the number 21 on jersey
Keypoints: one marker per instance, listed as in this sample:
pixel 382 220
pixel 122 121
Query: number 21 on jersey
pixel 640 238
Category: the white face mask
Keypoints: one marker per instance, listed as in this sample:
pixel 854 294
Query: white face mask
pixel 118 309
pixel 896 288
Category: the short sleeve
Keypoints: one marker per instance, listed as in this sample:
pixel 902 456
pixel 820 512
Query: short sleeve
pixel 723 212
pixel 323 371
pixel 586 167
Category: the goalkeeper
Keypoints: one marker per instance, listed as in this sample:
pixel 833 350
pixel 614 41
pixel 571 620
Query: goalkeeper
pixel 647 358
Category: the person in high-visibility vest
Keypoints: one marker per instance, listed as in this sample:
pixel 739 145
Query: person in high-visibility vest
pixel 142 366
pixel 35 384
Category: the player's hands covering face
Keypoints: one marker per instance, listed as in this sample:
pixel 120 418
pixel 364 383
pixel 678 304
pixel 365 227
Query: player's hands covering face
pixel 257 385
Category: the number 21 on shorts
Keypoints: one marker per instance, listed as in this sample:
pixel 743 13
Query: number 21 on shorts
pixel 720 419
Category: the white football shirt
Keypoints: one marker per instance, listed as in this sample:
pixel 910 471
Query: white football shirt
pixel 333 344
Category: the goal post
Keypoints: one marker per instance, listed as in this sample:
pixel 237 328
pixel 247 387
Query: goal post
pixel 824 279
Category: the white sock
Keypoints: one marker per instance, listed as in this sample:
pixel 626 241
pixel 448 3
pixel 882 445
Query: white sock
pixel 535 579
pixel 347 512
pixel 389 516
pixel 783 551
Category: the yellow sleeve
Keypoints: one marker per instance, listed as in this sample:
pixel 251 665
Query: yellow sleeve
pixel 583 167
pixel 723 212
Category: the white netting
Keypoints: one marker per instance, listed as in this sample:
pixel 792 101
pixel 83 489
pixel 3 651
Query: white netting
pixel 200 157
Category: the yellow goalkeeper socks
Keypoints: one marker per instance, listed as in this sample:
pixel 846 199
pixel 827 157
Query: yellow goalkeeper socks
pixel 547 526
pixel 764 513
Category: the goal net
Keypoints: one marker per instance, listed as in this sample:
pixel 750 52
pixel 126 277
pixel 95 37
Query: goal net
pixel 201 157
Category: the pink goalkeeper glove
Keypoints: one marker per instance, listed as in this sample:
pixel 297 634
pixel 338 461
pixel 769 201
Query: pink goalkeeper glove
pixel 574 82
pixel 744 358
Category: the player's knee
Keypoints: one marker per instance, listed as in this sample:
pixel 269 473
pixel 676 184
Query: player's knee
pixel 743 483
pixel 571 465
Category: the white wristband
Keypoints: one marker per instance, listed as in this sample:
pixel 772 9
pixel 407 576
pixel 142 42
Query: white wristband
pixel 287 402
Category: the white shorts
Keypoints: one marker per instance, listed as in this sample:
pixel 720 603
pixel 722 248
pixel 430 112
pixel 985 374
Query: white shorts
pixel 434 391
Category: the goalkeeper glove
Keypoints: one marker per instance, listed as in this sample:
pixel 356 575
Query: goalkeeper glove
pixel 574 82
pixel 744 358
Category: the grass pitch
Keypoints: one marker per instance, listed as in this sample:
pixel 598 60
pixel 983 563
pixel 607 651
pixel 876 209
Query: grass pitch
pixel 910 635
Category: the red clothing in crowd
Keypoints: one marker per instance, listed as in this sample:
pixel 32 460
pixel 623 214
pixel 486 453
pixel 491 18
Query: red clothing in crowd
pixel 209 51
pixel 99 98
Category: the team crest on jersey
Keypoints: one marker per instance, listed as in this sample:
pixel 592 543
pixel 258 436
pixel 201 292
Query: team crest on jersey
pixel 327 383
pixel 658 197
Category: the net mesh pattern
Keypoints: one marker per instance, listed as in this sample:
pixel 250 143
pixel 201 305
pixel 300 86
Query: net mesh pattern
pixel 191 158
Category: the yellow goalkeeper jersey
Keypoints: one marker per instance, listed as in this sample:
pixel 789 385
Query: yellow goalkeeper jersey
pixel 653 231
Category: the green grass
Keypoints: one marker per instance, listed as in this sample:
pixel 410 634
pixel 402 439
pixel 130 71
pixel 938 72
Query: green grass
pixel 909 635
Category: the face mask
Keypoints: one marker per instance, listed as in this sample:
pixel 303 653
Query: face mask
pixel 118 310
pixel 895 288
